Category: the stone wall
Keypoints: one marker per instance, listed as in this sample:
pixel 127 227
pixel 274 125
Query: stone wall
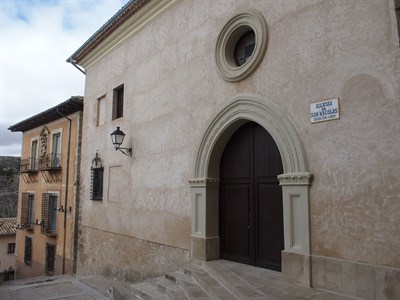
pixel 316 50
pixel 126 258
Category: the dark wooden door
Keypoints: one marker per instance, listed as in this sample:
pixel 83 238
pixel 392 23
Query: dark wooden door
pixel 251 213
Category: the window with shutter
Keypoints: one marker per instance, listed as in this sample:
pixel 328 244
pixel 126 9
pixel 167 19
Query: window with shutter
pixel 49 214
pixel 28 211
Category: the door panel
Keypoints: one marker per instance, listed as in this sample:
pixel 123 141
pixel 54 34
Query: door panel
pixel 234 221
pixel 238 158
pixel 270 226
pixel 251 214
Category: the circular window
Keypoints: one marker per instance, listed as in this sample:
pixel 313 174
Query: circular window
pixel 244 48
pixel 241 46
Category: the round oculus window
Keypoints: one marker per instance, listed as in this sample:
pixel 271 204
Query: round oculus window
pixel 244 48
pixel 241 45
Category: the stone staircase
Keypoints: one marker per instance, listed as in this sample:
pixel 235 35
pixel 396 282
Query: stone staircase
pixel 220 280
pixel 193 282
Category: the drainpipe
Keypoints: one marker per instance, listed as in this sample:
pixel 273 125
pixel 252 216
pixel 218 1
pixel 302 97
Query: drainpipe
pixel 66 189
pixel 77 194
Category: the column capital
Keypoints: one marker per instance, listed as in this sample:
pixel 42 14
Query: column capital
pixel 204 182
pixel 295 179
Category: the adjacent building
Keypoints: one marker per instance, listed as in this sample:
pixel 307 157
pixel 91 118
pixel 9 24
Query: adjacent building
pixel 263 132
pixel 7 248
pixel 48 190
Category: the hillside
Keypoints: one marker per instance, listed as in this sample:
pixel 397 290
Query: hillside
pixel 9 180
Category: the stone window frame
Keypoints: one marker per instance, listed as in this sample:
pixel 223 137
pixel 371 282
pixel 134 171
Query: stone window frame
pixel 227 39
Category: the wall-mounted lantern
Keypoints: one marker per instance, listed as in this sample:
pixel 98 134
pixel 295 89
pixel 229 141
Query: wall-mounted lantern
pixel 117 138
pixel 96 162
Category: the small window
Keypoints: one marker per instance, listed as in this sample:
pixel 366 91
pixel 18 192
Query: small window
pixel 49 214
pixel 101 109
pixel 50 258
pixel 96 191
pixel 244 48
pixel 11 248
pixel 55 159
pixel 118 102
pixel 398 20
pixel 28 211
pixel 28 251
pixel 34 155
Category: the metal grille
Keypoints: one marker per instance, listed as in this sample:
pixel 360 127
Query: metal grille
pixel 27 211
pixel 28 165
pixel 49 214
pixel 96 187
pixel 28 251
pixel 50 258
pixel 50 162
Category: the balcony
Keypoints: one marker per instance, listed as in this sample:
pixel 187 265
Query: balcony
pixel 49 229
pixel 50 162
pixel 28 165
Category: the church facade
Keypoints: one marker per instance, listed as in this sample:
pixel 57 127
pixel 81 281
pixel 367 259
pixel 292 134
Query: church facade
pixel 263 132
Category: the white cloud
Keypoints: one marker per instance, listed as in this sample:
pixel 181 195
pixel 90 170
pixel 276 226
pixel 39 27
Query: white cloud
pixel 36 38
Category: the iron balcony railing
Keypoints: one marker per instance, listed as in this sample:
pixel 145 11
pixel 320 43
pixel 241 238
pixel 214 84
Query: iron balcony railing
pixel 50 162
pixel 29 165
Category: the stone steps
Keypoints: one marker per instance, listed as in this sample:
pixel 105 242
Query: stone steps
pixel 191 283
pixel 148 291
pixel 221 280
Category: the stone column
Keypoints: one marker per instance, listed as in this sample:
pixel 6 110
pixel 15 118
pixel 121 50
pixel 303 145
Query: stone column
pixel 205 231
pixel 296 256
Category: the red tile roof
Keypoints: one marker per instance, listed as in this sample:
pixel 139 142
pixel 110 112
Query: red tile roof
pixel 8 226
pixel 73 104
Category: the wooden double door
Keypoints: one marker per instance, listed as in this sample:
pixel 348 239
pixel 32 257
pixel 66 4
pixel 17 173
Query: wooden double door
pixel 250 209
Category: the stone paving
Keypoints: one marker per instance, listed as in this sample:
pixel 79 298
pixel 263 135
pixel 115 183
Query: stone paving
pixel 220 279
pixel 57 287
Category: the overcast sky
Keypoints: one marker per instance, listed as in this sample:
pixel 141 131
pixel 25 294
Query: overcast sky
pixel 36 38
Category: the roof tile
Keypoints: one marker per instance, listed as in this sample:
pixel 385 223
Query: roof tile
pixel 8 226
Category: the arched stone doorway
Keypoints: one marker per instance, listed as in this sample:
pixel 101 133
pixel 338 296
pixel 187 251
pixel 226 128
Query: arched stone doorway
pixel 295 180
pixel 250 199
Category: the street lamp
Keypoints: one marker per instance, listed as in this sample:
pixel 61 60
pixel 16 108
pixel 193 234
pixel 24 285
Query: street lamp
pixel 117 138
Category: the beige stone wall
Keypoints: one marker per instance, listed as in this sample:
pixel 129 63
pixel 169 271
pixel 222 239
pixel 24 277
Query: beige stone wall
pixel 7 260
pixel 42 182
pixel 126 258
pixel 316 50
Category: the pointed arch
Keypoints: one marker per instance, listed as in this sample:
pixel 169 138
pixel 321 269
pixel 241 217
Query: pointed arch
pixel 295 182
pixel 239 110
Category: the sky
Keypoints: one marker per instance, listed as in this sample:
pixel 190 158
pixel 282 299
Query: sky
pixel 36 38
